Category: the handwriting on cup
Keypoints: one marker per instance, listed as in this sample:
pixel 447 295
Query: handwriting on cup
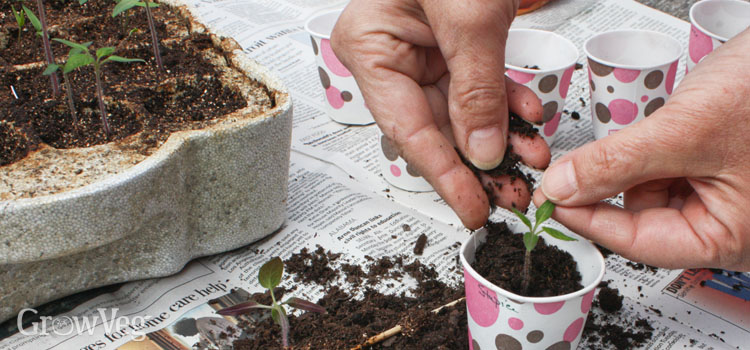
pixel 502 304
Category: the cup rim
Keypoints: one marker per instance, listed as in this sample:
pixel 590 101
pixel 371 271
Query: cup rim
pixel 317 15
pixel 632 66
pixel 524 299
pixel 703 30
pixel 540 71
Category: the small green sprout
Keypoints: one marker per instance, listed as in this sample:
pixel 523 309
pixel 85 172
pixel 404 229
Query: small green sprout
pixel 531 238
pixel 67 68
pixel 33 19
pixel 80 56
pixel 40 25
pixel 20 20
pixel 269 277
pixel 124 5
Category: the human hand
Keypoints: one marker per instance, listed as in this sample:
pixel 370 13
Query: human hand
pixel 685 171
pixel 432 73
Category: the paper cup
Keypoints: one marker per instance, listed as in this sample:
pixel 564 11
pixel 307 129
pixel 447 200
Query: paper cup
pixel 343 98
pixel 555 58
pixel 499 319
pixel 713 22
pixel 396 171
pixel 631 75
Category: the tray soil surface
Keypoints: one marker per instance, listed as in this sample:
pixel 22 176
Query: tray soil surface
pixel 144 104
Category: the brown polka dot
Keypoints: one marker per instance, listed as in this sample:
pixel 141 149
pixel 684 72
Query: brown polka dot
pixel 600 69
pixel 610 89
pixel 548 83
pixel 412 171
pixel 314 45
pixel 346 96
pixel 602 112
pixel 475 345
pixel 390 151
pixel 535 336
pixel 652 106
pixel 593 86
pixel 324 79
pixel 506 342
pixel 550 108
pixel 653 79
pixel 561 345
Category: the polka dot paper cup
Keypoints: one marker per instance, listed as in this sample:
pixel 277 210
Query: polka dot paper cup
pixel 631 75
pixel 544 62
pixel 396 171
pixel 343 98
pixel 713 22
pixel 499 319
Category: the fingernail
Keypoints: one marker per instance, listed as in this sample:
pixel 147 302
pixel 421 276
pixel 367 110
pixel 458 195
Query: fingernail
pixel 559 181
pixel 486 147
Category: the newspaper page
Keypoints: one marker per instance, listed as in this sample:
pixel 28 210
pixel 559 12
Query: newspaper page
pixel 338 200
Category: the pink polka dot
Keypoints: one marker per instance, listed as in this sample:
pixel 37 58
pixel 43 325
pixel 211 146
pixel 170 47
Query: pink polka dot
pixel 332 62
pixel 334 97
pixel 626 75
pixel 395 170
pixel 551 126
pixel 520 77
pixel 586 302
pixel 565 81
pixel 700 45
pixel 480 302
pixel 515 323
pixel 644 98
pixel 671 73
pixel 573 330
pixel 548 308
pixel 623 111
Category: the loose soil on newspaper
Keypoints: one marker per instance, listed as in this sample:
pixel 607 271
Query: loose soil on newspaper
pixel 352 320
pixel 139 98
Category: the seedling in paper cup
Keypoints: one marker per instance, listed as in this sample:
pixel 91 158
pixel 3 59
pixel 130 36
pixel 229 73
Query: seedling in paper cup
pixel 531 238
pixel 269 277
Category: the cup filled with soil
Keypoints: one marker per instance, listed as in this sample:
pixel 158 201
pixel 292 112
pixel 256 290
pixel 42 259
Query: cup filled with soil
pixel 550 311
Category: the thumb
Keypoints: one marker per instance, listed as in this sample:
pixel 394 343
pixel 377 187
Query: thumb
pixel 639 153
pixel 471 36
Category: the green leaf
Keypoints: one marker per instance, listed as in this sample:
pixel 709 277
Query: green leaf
pixel 121 59
pixel 104 51
pixel 20 18
pixel 523 218
pixel 76 61
pixel 123 6
pixel 82 47
pixel 557 234
pixel 270 273
pixel 544 212
pixel 81 2
pixel 150 4
pixel 51 68
pixel 33 19
pixel 530 240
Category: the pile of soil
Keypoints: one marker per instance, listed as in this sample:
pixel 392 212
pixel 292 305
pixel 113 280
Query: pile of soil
pixel 139 97
pixel 605 326
pixel 500 261
pixel 351 319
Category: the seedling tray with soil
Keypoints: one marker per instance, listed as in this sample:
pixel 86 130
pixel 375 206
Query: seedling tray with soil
pixel 151 167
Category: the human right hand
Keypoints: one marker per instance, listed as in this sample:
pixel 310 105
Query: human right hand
pixel 685 171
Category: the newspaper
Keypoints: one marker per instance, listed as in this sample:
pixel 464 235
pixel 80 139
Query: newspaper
pixel 338 200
